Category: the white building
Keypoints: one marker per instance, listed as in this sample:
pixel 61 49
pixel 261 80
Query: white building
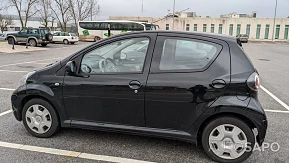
pixel 255 28
pixel 32 22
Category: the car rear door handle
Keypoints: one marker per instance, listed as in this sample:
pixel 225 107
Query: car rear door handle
pixel 134 84
pixel 218 83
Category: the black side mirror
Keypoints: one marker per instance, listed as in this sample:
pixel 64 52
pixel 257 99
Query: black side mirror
pixel 70 68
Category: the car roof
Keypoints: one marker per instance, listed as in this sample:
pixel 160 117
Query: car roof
pixel 192 33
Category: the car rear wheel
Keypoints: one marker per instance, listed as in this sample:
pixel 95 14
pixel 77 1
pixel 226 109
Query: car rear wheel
pixel 39 118
pixel 228 139
pixel 96 38
pixel 65 41
pixel 32 42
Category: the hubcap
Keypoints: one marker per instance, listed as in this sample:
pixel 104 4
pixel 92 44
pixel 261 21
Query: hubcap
pixel 38 119
pixel 228 141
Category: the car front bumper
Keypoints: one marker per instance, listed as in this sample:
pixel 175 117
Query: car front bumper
pixel 17 101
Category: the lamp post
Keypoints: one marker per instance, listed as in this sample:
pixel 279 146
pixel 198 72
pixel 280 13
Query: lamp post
pixel 274 21
pixel 174 14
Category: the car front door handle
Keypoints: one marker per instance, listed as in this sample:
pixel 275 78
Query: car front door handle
pixel 134 84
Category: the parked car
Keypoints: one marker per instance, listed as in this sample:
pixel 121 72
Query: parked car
pixel 243 37
pixel 33 36
pixel 195 87
pixel 65 37
pixel 2 36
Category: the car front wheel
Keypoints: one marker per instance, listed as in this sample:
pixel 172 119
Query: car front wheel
pixel 40 118
pixel 228 140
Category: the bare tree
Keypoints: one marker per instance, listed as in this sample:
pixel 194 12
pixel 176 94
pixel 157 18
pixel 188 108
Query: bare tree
pixel 5 21
pixel 60 9
pixel 44 12
pixel 24 9
pixel 82 9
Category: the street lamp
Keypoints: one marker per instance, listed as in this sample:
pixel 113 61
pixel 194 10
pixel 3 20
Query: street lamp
pixel 274 21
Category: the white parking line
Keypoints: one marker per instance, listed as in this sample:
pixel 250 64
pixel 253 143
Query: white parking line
pixel 275 98
pixel 6 112
pixel 13 71
pixel 67 153
pixel 13 64
pixel 7 89
pixel 277 111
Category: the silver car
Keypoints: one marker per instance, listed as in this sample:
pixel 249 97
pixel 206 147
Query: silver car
pixel 243 37
pixel 2 36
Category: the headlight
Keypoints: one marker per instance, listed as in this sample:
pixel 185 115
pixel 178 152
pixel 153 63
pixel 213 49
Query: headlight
pixel 24 78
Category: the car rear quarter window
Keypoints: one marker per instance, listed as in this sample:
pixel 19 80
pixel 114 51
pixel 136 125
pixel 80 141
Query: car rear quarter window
pixel 180 54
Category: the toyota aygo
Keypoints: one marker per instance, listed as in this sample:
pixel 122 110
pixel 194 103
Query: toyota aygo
pixel 195 87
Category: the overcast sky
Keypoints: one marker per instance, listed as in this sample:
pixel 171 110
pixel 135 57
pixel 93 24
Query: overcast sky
pixel 213 8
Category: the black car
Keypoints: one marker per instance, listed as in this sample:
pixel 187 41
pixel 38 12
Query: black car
pixel 195 87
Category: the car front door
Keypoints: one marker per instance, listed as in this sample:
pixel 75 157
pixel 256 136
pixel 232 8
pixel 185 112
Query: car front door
pixel 112 81
pixel 22 35
pixel 187 75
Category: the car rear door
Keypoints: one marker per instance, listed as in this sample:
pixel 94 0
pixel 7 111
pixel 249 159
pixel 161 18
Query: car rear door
pixel 188 73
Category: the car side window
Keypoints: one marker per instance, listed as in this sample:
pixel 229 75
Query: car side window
pixel 33 31
pixel 56 34
pixel 186 54
pixel 117 57
pixel 23 31
pixel 67 34
pixel 62 34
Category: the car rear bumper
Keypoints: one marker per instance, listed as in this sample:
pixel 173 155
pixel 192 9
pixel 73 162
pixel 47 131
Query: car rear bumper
pixel 43 42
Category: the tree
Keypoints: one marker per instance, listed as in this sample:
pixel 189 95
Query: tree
pixel 60 9
pixel 25 7
pixel 44 12
pixel 82 9
pixel 5 21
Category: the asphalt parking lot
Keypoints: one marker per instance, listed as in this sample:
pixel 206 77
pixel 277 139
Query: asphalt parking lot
pixel 76 145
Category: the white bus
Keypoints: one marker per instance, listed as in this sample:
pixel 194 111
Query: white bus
pixel 96 30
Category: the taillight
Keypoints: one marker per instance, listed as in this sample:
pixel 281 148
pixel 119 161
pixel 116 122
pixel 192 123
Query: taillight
pixel 40 37
pixel 253 81
pixel 72 38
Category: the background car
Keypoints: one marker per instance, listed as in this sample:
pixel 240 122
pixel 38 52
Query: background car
pixel 243 37
pixel 65 37
pixel 2 36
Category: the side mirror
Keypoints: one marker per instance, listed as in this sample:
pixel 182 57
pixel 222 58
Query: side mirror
pixel 70 68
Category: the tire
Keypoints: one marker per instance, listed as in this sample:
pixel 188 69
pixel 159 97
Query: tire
pixel 72 42
pixel 227 122
pixel 32 42
pixel 10 40
pixel 49 37
pixel 65 41
pixel 52 120
pixel 43 44
pixel 96 38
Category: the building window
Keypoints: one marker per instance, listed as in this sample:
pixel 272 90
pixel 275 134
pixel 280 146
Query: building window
pixel 231 29
pixel 212 28
pixel 286 32
pixel 238 29
pixel 248 30
pixel 258 31
pixel 167 27
pixel 195 27
pixel 17 28
pixel 267 31
pixel 187 27
pixel 204 27
pixel 277 32
pixel 220 29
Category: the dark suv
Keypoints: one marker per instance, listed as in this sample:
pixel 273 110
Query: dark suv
pixel 195 87
pixel 32 36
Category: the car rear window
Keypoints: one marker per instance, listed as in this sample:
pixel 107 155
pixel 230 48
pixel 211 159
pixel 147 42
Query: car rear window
pixel 244 36
pixel 72 34
pixel 179 54
pixel 44 31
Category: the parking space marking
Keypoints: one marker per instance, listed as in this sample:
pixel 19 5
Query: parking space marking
pixel 7 89
pixel 13 64
pixel 277 111
pixel 6 112
pixel 13 71
pixel 275 98
pixel 67 153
